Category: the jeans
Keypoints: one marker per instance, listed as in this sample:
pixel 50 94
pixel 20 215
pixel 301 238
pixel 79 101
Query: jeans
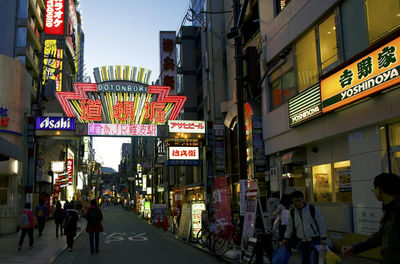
pixel 70 240
pixel 308 252
pixel 94 236
pixel 23 233
pixel 41 221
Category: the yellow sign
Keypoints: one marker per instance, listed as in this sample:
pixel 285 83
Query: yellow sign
pixel 372 73
pixel 52 63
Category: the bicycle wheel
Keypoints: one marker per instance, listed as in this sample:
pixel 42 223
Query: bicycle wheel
pixel 209 240
pixel 220 245
pixel 202 236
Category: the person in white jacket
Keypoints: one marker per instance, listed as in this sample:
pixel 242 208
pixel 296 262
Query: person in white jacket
pixel 308 224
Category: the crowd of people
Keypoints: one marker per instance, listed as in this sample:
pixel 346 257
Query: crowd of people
pixel 66 221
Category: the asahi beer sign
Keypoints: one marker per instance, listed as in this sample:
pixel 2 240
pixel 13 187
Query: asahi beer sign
pixel 305 106
pixel 375 72
pixel 55 123
pixel 186 126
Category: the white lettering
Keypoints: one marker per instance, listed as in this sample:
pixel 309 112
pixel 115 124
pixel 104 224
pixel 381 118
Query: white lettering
pixel 394 73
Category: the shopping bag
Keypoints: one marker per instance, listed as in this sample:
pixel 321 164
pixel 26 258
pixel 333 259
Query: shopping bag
pixel 281 256
pixel 332 258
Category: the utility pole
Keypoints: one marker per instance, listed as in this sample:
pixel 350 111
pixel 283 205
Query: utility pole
pixel 235 31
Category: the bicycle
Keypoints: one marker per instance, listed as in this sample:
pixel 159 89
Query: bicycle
pixel 262 246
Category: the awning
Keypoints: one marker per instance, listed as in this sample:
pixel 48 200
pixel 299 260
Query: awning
pixel 8 149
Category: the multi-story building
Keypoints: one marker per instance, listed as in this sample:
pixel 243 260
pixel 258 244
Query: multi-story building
pixel 334 65
pixel 22 23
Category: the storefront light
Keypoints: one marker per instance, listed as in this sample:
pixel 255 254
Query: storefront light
pixel 15 167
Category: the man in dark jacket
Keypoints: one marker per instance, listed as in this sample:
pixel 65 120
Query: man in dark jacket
pixel 41 215
pixel 386 190
pixel 70 225
pixel 59 215
pixel 94 217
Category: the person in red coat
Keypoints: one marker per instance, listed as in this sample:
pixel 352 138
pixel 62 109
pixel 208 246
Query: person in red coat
pixel 94 217
pixel 27 224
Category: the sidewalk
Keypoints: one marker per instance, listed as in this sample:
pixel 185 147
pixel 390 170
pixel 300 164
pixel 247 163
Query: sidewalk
pixel 45 248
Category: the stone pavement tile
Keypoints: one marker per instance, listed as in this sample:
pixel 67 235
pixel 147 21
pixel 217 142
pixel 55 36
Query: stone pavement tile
pixel 295 259
pixel 45 248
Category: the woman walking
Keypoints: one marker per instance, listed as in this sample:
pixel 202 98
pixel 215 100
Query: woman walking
pixel 70 225
pixel 27 224
pixel 94 217
pixel 59 215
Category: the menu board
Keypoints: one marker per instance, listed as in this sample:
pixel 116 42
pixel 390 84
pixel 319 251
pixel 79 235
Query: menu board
pixel 197 208
pixel 184 224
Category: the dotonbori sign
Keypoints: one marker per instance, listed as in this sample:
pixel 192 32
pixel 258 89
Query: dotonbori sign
pixel 375 72
pixel 54 20
pixel 133 104
pixel 305 106
pixel 55 123
pixel 186 126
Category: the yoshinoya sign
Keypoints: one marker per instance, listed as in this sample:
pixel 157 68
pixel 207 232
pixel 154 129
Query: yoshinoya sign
pixel 305 106
pixel 375 72
pixel 55 123
pixel 186 126
pixel 99 129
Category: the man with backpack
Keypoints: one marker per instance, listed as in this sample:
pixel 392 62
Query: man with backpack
pixel 26 224
pixel 41 215
pixel 94 217
pixel 306 225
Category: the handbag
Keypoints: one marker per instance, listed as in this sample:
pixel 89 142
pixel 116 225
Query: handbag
pixel 281 256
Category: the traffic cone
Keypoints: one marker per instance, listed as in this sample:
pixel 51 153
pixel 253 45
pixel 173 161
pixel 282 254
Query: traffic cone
pixel 158 222
pixel 165 223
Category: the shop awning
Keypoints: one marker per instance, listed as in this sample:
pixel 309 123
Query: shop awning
pixel 10 150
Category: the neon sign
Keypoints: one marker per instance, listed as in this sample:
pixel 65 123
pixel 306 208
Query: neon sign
pixel 121 130
pixel 91 102
pixel 186 126
pixel 54 21
pixel 183 153
pixel 70 169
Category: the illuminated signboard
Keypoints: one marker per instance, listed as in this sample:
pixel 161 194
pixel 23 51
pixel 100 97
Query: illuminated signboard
pixel 377 71
pixel 70 170
pixel 183 153
pixel 121 130
pixel 55 123
pixel 4 116
pixel 185 126
pixel 52 63
pixel 168 59
pixel 54 20
pixel 57 166
pixel 101 102
pixel 305 106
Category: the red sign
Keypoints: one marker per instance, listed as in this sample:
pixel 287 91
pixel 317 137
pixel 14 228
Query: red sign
pixel 222 207
pixel 70 170
pixel 54 22
pixel 3 116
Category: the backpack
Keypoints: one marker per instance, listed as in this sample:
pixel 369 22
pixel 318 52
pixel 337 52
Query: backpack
pixel 24 220
pixel 40 212
pixel 294 236
pixel 93 217
pixel 68 220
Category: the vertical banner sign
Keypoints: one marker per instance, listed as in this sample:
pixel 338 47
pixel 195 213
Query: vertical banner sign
pixel 258 154
pixel 54 20
pixel 73 31
pixel 70 170
pixel 168 60
pixel 197 208
pixel 250 214
pixel 219 153
pixel 52 63
pixel 243 188
pixel 222 207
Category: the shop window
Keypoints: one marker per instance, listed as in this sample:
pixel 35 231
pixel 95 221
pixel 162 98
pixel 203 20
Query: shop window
pixel 316 54
pixel 21 36
pixel 322 183
pixel 280 5
pixel 3 194
pixel 342 182
pixel 382 18
pixel 328 42
pixel 395 145
pixel 306 61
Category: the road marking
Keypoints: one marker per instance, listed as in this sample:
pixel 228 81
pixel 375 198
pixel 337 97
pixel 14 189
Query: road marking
pixel 132 236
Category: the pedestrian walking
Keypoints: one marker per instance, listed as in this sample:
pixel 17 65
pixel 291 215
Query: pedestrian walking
pixel 59 215
pixel 26 225
pixel 281 215
pixel 94 226
pixel 41 215
pixel 272 205
pixel 387 190
pixel 70 225
pixel 306 223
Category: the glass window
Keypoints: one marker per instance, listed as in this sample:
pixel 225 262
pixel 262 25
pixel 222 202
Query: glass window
pixel 342 182
pixel 23 9
pixel 288 86
pixel 327 42
pixel 22 59
pixel 276 94
pixel 382 18
pixel 306 61
pixel 322 183
pixel 395 144
pixel 21 36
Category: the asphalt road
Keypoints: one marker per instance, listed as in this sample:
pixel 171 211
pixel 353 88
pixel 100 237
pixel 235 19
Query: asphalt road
pixel 127 239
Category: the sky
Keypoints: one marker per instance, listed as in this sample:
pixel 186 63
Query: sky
pixel 125 32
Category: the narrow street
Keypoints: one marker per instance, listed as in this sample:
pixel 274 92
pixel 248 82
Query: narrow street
pixel 126 238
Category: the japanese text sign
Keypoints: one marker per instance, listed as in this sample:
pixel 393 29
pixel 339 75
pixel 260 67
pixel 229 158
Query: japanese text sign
pixel 183 153
pixel 122 130
pixel 378 70
pixel 4 116
pixel 52 63
pixel 168 59
pixel 70 170
pixel 54 21
pixel 186 126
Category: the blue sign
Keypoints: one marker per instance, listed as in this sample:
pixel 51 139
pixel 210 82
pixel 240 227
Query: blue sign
pixel 55 123
pixel 183 162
